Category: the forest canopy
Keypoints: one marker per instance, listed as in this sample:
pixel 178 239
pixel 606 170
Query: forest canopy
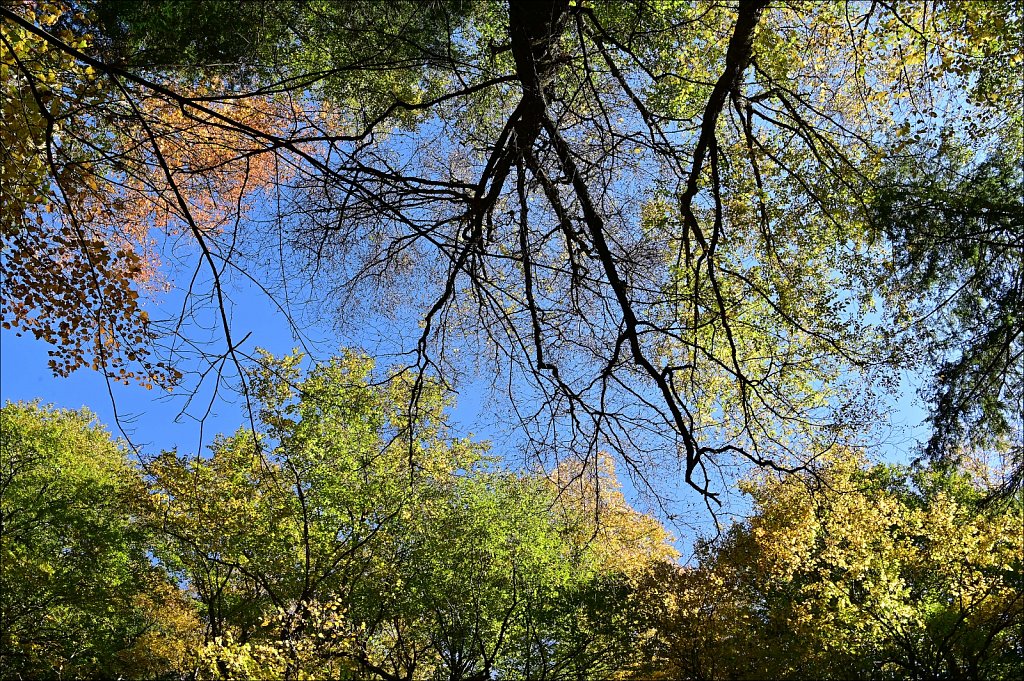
pixel 691 234
pixel 334 555
pixel 696 246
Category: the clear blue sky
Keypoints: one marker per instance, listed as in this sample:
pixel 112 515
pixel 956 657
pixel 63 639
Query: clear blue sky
pixel 154 419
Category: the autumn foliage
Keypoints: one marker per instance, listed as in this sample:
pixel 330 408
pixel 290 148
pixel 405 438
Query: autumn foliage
pixel 700 246
pixel 323 547
pixel 98 181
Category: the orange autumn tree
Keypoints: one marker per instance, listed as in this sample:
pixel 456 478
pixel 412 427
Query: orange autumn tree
pixel 95 175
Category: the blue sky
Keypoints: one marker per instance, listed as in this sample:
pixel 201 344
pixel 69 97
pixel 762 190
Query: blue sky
pixel 154 420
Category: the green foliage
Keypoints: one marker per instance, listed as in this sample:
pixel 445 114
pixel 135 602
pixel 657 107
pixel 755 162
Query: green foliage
pixel 363 54
pixel 221 33
pixel 78 596
pixel 330 544
pixel 336 541
pixel 955 226
pixel 350 537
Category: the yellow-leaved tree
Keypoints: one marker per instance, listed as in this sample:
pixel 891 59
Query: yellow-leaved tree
pixel 853 570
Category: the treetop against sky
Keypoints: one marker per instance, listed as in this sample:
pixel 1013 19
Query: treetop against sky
pixel 697 235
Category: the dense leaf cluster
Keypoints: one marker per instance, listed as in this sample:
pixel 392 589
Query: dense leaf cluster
pixel 326 545
pixel 329 545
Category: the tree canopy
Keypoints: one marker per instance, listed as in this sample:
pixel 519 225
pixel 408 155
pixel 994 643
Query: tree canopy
pixel 852 571
pixel 318 546
pixel 715 231
pixel 78 597
pixel 690 243
pixel 319 549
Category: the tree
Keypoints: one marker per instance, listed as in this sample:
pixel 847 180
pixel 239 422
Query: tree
pixel 519 577
pixel 78 596
pixel 91 183
pixel 289 520
pixel 955 223
pixel 326 546
pixel 656 217
pixel 864 571
pixel 70 270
